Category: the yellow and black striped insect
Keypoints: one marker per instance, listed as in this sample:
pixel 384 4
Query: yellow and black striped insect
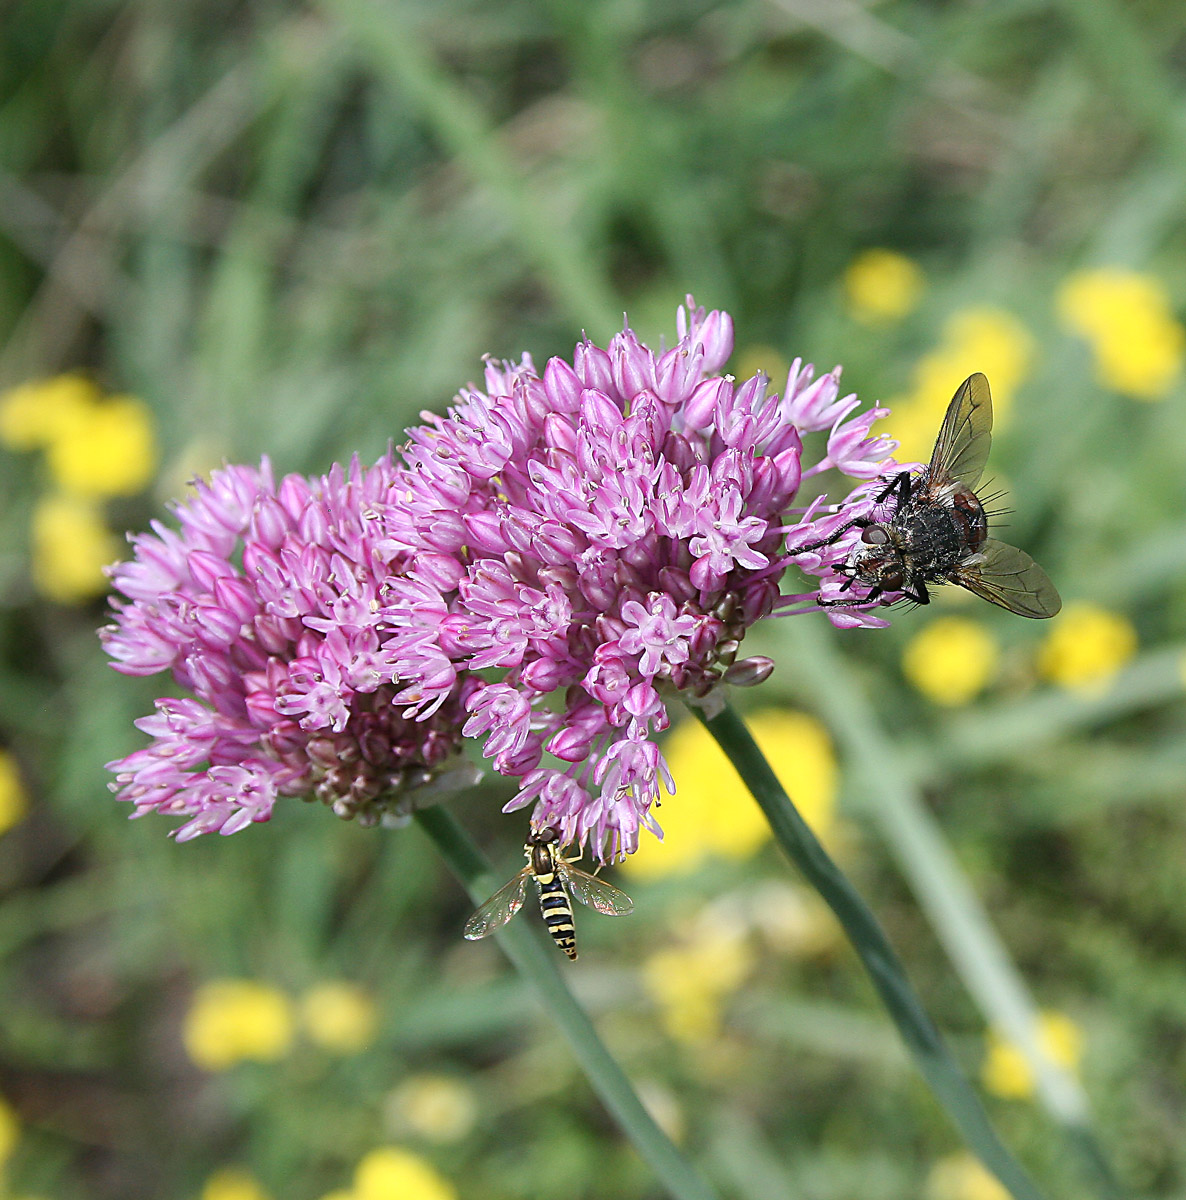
pixel 555 877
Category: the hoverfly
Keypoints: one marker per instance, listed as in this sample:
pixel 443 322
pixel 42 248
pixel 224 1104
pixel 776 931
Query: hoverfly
pixel 555 877
pixel 939 530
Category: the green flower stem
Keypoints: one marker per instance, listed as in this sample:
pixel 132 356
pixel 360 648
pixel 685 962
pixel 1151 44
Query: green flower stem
pixel 538 964
pixel 938 1067
pixel 943 890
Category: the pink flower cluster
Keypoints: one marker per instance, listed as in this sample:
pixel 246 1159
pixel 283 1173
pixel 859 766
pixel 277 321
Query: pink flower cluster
pixel 604 534
pixel 545 567
pixel 266 605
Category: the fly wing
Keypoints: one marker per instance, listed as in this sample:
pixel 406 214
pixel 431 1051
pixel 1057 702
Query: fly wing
pixel 596 893
pixel 499 909
pixel 961 449
pixel 1009 577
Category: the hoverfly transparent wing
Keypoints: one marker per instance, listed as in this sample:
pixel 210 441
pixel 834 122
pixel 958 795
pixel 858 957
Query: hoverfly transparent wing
pixel 1009 577
pixel 499 909
pixel 961 449
pixel 596 893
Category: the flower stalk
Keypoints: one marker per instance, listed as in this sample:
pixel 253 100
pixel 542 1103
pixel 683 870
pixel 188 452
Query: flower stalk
pixel 537 964
pixel 934 1060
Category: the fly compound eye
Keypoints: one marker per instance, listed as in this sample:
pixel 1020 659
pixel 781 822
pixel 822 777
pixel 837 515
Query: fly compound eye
pixel 874 535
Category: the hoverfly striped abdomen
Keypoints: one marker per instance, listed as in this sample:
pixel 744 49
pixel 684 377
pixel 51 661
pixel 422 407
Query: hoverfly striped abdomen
pixel 555 877
pixel 557 911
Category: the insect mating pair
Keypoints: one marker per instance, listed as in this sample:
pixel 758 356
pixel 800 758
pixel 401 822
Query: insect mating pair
pixel 938 534
pixel 939 530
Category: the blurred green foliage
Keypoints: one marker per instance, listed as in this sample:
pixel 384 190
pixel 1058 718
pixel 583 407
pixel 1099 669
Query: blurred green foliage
pixel 290 228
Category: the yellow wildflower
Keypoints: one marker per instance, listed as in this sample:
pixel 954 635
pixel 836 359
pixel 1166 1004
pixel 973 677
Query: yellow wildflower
pixel 35 415
pixel 1086 647
pixel 712 813
pixel 437 1107
pixel 689 983
pixel 757 358
pixel 392 1173
pixel 70 547
pixel 111 451
pixel 231 1020
pixel 10 1131
pixel 962 1177
pixel 882 286
pixel 13 801
pixel 976 339
pixel 793 919
pixel 233 1183
pixel 1137 342
pixel 1005 1071
pixel 950 660
pixel 339 1016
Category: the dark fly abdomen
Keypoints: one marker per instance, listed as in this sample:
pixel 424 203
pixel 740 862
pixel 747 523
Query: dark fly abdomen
pixel 971 518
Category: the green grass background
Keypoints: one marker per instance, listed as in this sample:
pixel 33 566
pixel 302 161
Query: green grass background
pixel 289 228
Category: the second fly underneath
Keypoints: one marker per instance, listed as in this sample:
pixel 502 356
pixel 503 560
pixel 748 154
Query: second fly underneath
pixel 556 878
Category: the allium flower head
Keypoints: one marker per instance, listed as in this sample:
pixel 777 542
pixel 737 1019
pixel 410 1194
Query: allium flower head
pixel 603 534
pixel 266 605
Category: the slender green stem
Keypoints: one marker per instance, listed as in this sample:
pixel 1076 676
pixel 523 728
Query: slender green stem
pixel 537 964
pixel 935 1061
pixel 944 892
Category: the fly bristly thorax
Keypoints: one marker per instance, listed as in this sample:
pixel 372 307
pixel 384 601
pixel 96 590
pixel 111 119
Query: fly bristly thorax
pixel 940 530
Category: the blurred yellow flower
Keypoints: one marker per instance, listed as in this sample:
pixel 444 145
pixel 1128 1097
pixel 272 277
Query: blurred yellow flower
pixel 437 1107
pixel 757 358
pixel 392 1173
pixel 689 983
pixel 950 660
pixel 36 414
pixel 713 814
pixel 1005 1071
pixel 793 919
pixel 232 1020
pixel 10 1131
pixel 975 339
pixel 233 1183
pixel 962 1177
pixel 882 286
pixel 14 803
pixel 339 1016
pixel 1137 342
pixel 1086 647
pixel 339 1194
pixel 111 451
pixel 70 547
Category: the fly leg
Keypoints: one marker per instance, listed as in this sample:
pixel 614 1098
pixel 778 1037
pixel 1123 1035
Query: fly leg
pixel 917 591
pixel 899 483
pixel 874 597
pixel 855 523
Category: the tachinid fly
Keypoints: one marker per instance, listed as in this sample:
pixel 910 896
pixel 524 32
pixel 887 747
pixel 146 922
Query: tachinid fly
pixel 939 530
pixel 555 877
